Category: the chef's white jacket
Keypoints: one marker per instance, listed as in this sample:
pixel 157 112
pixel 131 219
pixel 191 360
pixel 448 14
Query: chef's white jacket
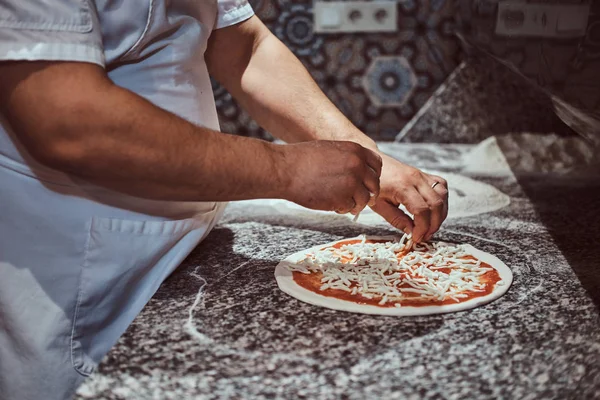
pixel 78 262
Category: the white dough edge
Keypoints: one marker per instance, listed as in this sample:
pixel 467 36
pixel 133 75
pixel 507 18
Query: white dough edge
pixel 287 284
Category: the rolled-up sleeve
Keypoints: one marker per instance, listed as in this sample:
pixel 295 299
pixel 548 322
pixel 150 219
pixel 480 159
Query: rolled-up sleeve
pixel 231 12
pixel 50 30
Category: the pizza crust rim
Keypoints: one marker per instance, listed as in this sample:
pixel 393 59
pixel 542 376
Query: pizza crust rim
pixel 286 283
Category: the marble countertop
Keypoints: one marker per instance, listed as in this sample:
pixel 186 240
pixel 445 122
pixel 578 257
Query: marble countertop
pixel 219 327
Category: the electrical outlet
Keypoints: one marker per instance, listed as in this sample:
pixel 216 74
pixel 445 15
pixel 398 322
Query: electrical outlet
pixel 542 20
pixel 355 16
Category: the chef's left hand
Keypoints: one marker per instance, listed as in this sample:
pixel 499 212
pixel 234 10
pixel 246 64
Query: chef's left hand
pixel 403 184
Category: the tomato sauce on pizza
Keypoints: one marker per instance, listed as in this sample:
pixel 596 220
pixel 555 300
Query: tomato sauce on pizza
pixel 396 274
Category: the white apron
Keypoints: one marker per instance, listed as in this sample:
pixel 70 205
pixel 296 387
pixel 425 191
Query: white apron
pixel 79 262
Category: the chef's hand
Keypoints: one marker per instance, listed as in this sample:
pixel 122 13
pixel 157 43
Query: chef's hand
pixel 403 184
pixel 332 175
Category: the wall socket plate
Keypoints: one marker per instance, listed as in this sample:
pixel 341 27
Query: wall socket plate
pixel 517 18
pixel 355 16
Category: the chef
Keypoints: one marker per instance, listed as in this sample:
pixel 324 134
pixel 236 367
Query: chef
pixel 112 166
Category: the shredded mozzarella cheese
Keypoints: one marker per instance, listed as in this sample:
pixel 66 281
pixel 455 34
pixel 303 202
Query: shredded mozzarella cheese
pixel 390 271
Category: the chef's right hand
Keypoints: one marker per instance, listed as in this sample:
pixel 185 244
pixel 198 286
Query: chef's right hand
pixel 331 175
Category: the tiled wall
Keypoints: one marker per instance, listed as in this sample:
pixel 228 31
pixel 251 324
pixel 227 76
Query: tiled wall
pixel 378 80
pixel 566 68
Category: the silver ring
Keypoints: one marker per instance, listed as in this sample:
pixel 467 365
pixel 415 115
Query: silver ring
pixel 435 184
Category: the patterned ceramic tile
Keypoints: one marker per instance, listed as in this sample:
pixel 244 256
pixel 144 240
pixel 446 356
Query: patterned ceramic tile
pixel 389 81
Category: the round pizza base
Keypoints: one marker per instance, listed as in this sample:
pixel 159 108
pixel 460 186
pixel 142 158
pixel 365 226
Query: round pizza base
pixel 286 283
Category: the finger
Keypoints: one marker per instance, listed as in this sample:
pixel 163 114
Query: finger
pixel 446 204
pixel 374 161
pixel 417 205
pixel 361 199
pixel 371 182
pixel 445 213
pixel 346 207
pixel 394 216
pixel 436 207
pixel 441 189
pixel 441 185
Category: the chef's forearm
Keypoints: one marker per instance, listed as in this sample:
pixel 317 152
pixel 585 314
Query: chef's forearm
pixel 114 138
pixel 276 89
pixel 148 152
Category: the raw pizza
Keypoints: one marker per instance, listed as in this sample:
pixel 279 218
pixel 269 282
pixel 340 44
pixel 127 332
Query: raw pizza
pixel 393 276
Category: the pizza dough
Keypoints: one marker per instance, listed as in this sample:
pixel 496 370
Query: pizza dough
pixel 286 282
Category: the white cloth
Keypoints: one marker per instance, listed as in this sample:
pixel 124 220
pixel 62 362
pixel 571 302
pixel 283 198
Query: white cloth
pixel 78 262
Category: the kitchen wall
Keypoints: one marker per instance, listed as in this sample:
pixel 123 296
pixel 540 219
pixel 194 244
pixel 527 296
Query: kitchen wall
pixel 567 67
pixel 379 81
pixel 483 98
